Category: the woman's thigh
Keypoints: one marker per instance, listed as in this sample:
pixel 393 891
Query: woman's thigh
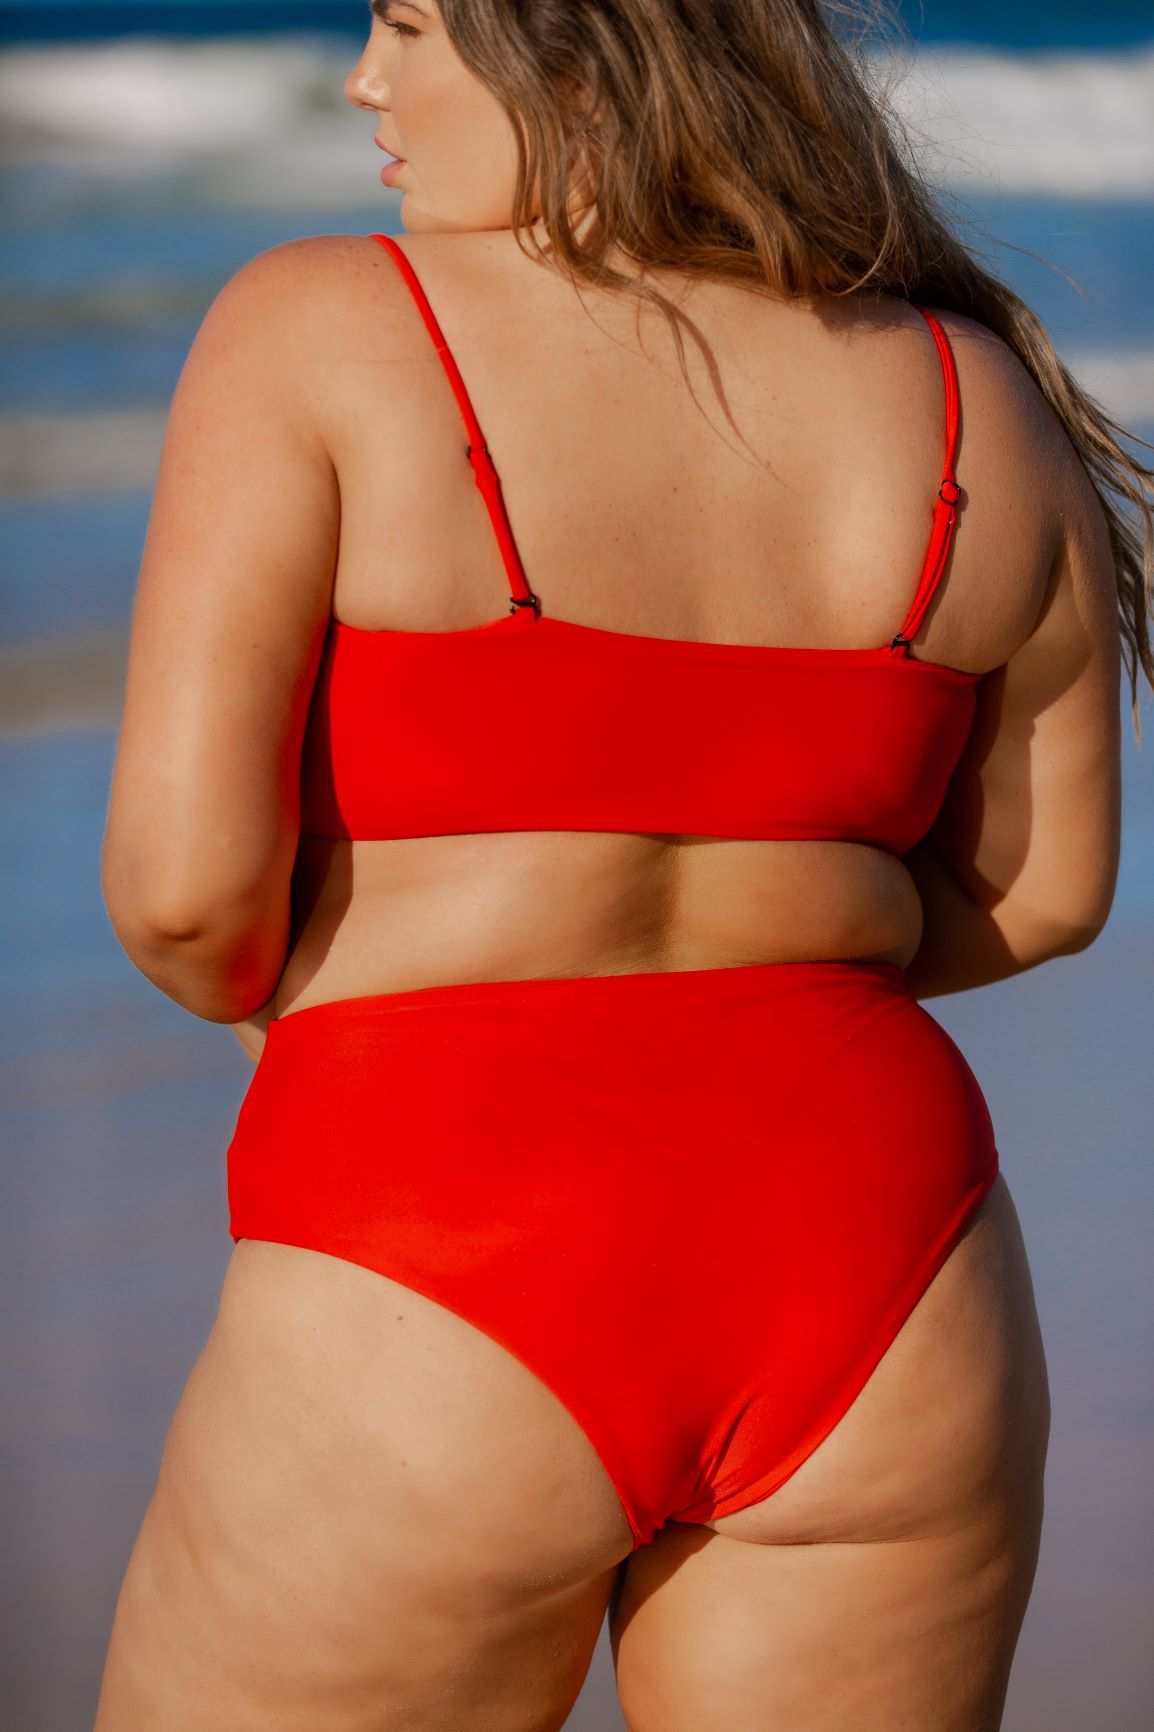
pixel 368 1514
pixel 883 1584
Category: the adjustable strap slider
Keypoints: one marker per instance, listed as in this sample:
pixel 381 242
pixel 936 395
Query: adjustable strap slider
pixel 530 600
pixel 485 456
pixel 947 482
pixel 899 639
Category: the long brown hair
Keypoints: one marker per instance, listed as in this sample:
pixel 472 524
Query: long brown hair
pixel 753 140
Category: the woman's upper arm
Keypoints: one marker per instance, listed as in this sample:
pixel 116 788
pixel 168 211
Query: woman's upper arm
pixel 1031 823
pixel 232 603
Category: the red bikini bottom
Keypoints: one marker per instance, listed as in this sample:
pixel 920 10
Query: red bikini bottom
pixel 697 1205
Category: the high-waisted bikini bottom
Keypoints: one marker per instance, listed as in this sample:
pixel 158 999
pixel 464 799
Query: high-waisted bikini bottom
pixel 697 1205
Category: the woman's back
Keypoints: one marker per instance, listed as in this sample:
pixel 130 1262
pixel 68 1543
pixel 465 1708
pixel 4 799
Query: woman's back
pixel 798 513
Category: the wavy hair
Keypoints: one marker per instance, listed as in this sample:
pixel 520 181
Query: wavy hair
pixel 753 140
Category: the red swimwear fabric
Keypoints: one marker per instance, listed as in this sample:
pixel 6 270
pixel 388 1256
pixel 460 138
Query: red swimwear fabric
pixel 409 732
pixel 698 1205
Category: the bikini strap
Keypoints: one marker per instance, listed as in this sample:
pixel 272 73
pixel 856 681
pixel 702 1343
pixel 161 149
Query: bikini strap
pixel 484 469
pixel 945 514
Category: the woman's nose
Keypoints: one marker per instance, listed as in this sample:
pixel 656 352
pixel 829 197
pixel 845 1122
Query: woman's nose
pixel 364 90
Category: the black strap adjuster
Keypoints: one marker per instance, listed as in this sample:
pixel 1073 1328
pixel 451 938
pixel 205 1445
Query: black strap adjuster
pixel 530 600
pixel 957 492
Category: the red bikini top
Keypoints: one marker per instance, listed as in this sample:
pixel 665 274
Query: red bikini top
pixel 534 723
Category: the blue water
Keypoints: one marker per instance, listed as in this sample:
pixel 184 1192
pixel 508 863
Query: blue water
pixel 1065 23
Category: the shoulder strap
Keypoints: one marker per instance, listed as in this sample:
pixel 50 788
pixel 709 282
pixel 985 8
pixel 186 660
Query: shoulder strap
pixel 945 514
pixel 484 469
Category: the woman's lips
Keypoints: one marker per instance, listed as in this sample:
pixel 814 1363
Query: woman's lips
pixel 390 169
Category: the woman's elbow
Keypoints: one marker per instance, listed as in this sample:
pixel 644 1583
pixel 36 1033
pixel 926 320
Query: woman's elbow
pixel 1087 913
pixel 219 958
pixel 167 926
pixel 219 976
pixel 1039 934
pixel 1081 936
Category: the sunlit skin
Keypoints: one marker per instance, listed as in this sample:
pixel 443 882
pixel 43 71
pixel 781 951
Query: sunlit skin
pixel 369 1515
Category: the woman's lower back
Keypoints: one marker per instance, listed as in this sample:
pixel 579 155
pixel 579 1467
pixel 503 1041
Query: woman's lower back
pixel 390 916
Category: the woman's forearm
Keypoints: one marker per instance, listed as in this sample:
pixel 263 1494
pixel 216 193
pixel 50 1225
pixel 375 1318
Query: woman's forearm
pixel 965 945
pixel 252 1030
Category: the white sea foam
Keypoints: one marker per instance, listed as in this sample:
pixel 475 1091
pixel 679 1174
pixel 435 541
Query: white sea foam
pixel 262 122
pixel 1122 381
pixel 1075 125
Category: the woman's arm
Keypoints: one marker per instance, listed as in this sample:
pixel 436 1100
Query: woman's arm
pixel 1022 861
pixel 965 945
pixel 252 1030
pixel 231 608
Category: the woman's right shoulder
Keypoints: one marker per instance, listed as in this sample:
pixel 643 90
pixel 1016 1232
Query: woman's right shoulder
pixel 1012 421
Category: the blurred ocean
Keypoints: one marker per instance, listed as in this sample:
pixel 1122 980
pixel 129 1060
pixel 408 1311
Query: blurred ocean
pixel 145 153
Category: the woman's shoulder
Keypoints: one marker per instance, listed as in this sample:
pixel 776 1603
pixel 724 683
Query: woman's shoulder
pixel 312 278
pixel 992 375
pixel 999 389
pixel 330 261
pixel 1002 393
pixel 315 287
pixel 1009 425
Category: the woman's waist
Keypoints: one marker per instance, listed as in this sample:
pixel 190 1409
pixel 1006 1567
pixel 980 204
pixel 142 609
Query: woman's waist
pixel 735 1058
pixel 377 945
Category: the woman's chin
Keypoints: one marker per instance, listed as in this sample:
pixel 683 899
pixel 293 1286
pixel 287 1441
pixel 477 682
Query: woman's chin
pixel 420 222
pixel 417 219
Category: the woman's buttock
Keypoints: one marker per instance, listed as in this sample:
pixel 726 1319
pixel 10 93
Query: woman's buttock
pixel 374 917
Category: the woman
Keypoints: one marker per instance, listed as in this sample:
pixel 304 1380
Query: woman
pixel 577 751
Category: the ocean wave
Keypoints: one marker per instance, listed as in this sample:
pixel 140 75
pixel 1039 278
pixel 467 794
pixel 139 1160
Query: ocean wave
pixel 1073 125
pixel 262 122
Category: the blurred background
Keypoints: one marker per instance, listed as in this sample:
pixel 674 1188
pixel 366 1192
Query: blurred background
pixel 145 153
